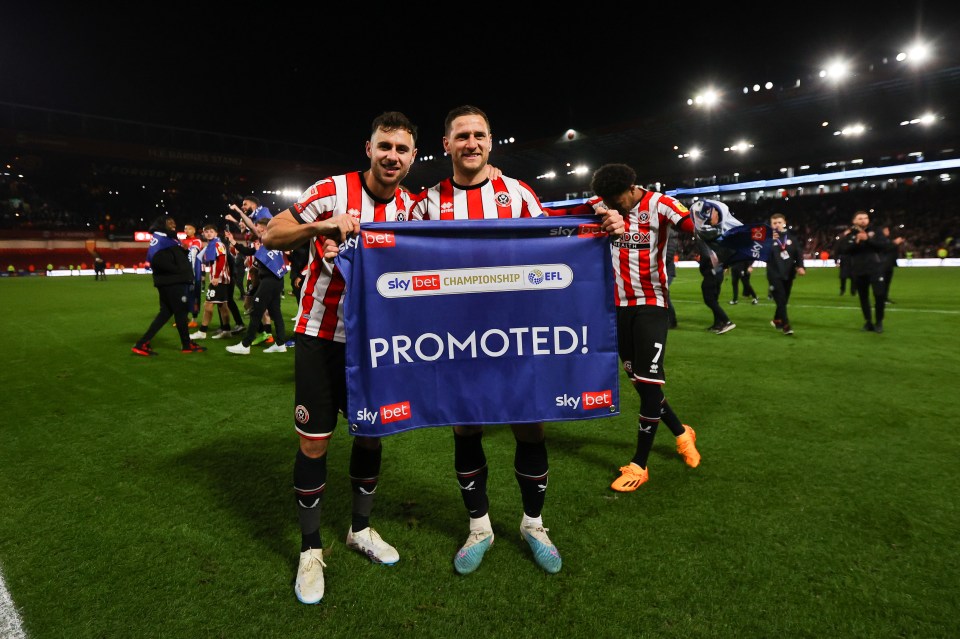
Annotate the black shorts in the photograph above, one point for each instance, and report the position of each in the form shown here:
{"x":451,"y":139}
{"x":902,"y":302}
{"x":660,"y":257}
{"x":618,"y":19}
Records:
{"x":218,"y":293}
{"x":641,"y":342}
{"x":320,"y":369}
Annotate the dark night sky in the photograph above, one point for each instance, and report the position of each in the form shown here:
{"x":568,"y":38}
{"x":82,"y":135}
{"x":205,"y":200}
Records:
{"x":319,"y":79}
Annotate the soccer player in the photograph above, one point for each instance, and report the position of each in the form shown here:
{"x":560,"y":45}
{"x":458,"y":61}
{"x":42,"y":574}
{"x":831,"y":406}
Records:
{"x":472,"y":194}
{"x":215,"y":255}
{"x":786,"y":262}
{"x":271,"y":268}
{"x":715,"y":220}
{"x":642,"y":318}
{"x":252,"y":208}
{"x":334,"y":207}
{"x":194,"y":244}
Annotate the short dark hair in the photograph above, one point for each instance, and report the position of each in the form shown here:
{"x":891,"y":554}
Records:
{"x":159,"y":223}
{"x":253,"y":199}
{"x":461,"y":111}
{"x":391,"y":121}
{"x":611,"y":180}
{"x":779,"y":215}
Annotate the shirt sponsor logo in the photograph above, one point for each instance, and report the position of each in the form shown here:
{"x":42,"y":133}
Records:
{"x":636,"y":240}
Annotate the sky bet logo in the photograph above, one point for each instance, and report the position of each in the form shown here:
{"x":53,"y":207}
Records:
{"x":589,"y":400}
{"x":390,"y":413}
{"x":381,"y":239}
{"x":428,"y":282}
{"x":583,"y":230}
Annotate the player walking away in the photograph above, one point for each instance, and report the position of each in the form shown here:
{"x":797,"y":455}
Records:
{"x":471,"y":193}
{"x":642,"y":317}
{"x":786,"y":262}
{"x":334,"y":207}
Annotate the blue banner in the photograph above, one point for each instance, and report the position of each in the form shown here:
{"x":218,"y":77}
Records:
{"x":479,"y":322}
{"x":744,"y":243}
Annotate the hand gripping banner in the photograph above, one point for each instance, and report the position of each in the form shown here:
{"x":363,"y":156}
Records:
{"x":479,"y":322}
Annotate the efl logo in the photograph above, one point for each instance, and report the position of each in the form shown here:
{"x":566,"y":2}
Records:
{"x":598,"y":399}
{"x":395,"y":412}
{"x":758,"y":233}
{"x":378,"y":240}
{"x":426,"y":282}
{"x":590,"y":230}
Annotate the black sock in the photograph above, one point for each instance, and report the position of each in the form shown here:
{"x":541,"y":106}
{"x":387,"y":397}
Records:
{"x":532,"y":471}
{"x":471,"y":465}
{"x":364,"y":476}
{"x":668,"y":417}
{"x":309,"y":483}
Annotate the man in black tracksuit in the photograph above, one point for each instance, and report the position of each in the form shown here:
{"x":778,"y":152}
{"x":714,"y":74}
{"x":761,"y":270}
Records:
{"x":865,"y":248}
{"x":173,"y":277}
{"x":785,"y":263}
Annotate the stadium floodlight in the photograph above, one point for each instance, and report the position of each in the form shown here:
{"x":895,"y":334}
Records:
{"x":852,"y":130}
{"x":740,"y":147}
{"x":916,"y":54}
{"x":708,"y":98}
{"x":926,"y":120}
{"x":836,"y":70}
{"x":549,"y":175}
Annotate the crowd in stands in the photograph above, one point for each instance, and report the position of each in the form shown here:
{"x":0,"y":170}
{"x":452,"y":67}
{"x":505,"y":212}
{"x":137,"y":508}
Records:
{"x":922,"y":212}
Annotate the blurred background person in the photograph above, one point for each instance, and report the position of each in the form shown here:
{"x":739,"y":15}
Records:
{"x":740,"y":278}
{"x":172,"y":277}
{"x":890,"y":256}
{"x":866,"y":247}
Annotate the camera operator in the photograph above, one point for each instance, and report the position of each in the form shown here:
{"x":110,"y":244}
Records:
{"x":865,"y":248}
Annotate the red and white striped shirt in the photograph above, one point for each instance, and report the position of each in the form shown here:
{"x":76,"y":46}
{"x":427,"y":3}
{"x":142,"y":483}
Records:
{"x":639,"y":255}
{"x":504,"y":197}
{"x":321,"y":301}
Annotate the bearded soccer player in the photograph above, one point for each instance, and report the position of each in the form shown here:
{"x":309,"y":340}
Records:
{"x":468,"y":195}
{"x":641,"y":294}
{"x":334,"y":207}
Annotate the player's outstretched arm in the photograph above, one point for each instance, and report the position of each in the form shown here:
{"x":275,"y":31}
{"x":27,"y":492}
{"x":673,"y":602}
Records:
{"x":285,"y":232}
